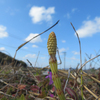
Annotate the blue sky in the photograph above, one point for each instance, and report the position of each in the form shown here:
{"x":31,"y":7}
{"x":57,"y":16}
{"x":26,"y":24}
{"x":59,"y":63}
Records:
{"x":21,"y":20}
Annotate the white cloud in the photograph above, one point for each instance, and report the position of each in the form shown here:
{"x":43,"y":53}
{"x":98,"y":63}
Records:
{"x":2,"y":48}
{"x":68,"y":15}
{"x":39,"y":14}
{"x":62,"y":50}
{"x":30,"y":56}
{"x":34,"y":46}
{"x":3,"y":32}
{"x":42,"y":58}
{"x":25,"y":47}
{"x":89,"y":28}
{"x":58,"y":61}
{"x":37,"y":39}
{"x":74,"y":9}
{"x":73,"y":58}
{"x":75,"y":53}
{"x":63,"y":41}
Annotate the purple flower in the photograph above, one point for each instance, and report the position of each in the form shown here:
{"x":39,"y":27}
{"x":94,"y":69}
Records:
{"x":50,"y":77}
{"x":51,"y":95}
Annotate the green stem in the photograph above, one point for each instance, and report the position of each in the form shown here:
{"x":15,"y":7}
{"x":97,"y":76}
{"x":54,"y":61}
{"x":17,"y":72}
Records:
{"x":52,"y":47}
{"x":56,"y":79}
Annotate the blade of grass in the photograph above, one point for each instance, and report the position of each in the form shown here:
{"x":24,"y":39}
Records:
{"x":36,"y":59}
{"x":87,"y":62}
{"x":33,"y":38}
{"x":36,"y":36}
{"x":80,"y":59}
{"x":67,"y":80}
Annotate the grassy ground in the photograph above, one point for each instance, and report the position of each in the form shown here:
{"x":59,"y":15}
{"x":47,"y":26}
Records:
{"x":31,"y":84}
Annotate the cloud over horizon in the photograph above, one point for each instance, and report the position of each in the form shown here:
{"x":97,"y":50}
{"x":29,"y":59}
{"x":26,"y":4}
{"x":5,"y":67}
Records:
{"x":2,"y":48}
{"x":34,"y":46}
{"x":74,"y":58}
{"x":75,"y":53}
{"x":63,"y":41}
{"x":62,"y":50}
{"x":30,"y":56}
{"x":3,"y":32}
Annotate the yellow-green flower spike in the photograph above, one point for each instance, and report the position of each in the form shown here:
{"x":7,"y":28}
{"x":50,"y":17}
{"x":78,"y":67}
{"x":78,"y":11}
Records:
{"x":52,"y":43}
{"x":52,"y":46}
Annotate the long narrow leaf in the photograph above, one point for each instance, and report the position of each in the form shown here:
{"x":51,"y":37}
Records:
{"x":71,"y":93}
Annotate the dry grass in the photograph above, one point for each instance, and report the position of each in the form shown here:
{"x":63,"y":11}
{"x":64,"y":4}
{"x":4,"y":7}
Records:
{"x":77,"y":84}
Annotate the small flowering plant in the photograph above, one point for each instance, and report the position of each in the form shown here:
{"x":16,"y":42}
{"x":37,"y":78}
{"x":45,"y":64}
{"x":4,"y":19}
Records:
{"x":50,"y":77}
{"x":50,"y":82}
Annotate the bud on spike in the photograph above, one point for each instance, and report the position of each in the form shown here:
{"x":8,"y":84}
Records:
{"x":52,"y":43}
